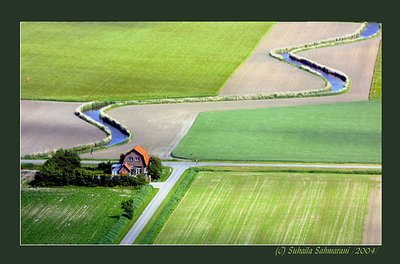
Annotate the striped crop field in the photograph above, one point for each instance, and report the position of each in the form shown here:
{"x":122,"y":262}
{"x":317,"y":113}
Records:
{"x":271,"y":208}
{"x":70,"y":215}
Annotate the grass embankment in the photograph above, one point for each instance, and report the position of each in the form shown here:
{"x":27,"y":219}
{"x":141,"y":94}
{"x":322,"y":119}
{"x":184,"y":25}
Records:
{"x":76,"y":215}
{"x":249,"y":207}
{"x":345,"y":132}
{"x":132,"y":60}
{"x":376,"y":87}
{"x":165,"y":173}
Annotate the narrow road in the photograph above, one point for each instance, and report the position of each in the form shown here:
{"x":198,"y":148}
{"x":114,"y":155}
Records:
{"x":188,"y":164}
{"x":164,"y":189}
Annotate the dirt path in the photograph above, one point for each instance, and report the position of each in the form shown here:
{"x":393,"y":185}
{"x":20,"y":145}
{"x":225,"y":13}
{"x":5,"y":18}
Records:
{"x":373,"y":221}
{"x":261,"y":73}
{"x":51,"y":125}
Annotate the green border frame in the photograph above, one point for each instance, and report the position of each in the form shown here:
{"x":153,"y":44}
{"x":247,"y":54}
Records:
{"x":313,"y":10}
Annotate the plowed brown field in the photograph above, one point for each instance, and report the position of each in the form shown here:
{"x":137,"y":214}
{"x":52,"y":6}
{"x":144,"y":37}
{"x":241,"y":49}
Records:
{"x":52,"y":125}
{"x":356,"y":59}
{"x":263,"y":74}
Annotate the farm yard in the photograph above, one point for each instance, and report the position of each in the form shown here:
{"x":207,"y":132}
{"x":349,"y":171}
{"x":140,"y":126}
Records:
{"x":70,"y":215}
{"x":132,"y":60}
{"x":253,"y":202}
{"x":228,"y":207}
{"x":345,"y":132}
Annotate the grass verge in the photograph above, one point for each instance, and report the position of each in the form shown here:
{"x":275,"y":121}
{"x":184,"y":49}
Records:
{"x":123,"y":225}
{"x":166,"y":172}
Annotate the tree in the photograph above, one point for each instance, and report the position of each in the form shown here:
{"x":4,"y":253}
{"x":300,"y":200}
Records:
{"x":105,"y":167}
{"x":127,"y":206}
{"x":60,"y":169}
{"x":155,"y":168}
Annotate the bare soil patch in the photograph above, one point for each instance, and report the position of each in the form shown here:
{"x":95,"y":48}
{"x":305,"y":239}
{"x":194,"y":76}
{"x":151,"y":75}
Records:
{"x":356,"y":59}
{"x":263,"y":74}
{"x":51,"y":125}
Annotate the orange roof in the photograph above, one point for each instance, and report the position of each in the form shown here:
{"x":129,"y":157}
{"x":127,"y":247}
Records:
{"x":142,"y":151}
{"x":126,"y":166}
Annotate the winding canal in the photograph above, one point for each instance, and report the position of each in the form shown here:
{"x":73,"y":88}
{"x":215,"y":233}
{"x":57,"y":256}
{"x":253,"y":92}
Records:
{"x":117,"y":135}
{"x":337,"y":82}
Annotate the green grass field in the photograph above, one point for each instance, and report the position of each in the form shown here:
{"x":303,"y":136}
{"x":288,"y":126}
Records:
{"x":346,"y":132}
{"x":70,"y":215}
{"x":132,"y":60}
{"x":271,"y":208}
{"x":376,"y":87}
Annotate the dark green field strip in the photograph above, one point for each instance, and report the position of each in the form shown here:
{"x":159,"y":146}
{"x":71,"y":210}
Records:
{"x":345,"y":132}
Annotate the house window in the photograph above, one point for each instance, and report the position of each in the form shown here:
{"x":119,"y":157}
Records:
{"x":130,"y":159}
{"x":138,"y":171}
{"x":136,"y":158}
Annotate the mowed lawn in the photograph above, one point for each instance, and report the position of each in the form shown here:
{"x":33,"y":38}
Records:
{"x":345,"y":132}
{"x":132,"y":60}
{"x":271,"y":208}
{"x":70,"y":215}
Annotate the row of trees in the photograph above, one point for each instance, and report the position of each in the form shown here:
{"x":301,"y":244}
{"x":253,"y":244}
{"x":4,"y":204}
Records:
{"x":64,"y":168}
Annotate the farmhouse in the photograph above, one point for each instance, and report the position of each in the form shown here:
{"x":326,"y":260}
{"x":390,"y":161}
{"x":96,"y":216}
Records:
{"x":134,"y":162}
